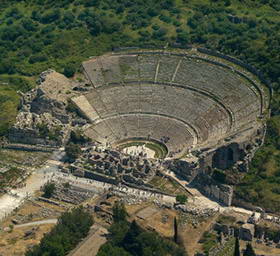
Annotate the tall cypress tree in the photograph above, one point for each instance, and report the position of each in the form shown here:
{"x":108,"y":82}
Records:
{"x":236,"y":247}
{"x":249,"y":251}
{"x":175,"y":230}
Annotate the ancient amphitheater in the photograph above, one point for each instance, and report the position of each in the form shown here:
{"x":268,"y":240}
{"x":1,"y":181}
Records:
{"x":180,"y":100}
{"x":196,"y":109}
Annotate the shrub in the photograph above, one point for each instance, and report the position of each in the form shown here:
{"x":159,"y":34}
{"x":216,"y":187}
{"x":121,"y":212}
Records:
{"x":69,"y":71}
{"x":49,"y":189}
{"x":182,"y":199}
{"x":37,"y":58}
{"x":72,"y":151}
{"x":219,"y":176}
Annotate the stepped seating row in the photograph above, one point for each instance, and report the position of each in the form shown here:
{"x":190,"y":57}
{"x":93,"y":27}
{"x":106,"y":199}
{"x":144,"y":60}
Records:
{"x":93,"y":71}
{"x":129,"y":67}
{"x":190,"y":71}
{"x":205,"y":114}
{"x":167,"y":68}
{"x":229,"y":87}
{"x":147,"y":67}
{"x":221,"y":82}
{"x":191,"y":99}
{"x":158,"y":128}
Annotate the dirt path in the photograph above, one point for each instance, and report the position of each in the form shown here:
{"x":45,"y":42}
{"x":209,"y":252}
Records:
{"x":91,"y":244}
{"x":35,"y":223}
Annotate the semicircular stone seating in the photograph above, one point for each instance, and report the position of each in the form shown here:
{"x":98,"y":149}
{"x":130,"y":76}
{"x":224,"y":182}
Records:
{"x":178,"y":100}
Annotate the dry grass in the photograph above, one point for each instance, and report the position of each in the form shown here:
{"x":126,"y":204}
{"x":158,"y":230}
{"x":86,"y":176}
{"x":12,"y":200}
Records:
{"x":191,"y":235}
{"x":262,"y":249}
{"x":14,"y":243}
{"x":167,"y":186}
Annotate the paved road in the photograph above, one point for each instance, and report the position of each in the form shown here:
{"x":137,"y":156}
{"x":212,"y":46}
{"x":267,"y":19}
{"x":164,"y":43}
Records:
{"x":16,"y":197}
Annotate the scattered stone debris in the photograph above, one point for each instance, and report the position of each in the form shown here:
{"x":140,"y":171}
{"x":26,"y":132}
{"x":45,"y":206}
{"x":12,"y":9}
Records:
{"x":71,"y":194}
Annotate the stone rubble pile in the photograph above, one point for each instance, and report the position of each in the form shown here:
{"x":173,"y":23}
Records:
{"x":71,"y":194}
{"x":42,"y":119}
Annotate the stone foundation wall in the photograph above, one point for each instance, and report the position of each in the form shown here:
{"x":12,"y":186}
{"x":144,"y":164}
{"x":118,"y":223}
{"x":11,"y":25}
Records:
{"x":219,"y":192}
{"x":101,"y":178}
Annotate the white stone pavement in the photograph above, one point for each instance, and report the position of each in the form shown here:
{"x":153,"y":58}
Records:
{"x":16,"y":197}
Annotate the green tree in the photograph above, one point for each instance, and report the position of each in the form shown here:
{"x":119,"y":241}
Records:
{"x":130,"y":240}
{"x":49,"y":189}
{"x":118,"y":231}
{"x":110,"y":250}
{"x":249,"y":251}
{"x":181,"y":198}
{"x":71,"y":228}
{"x":72,"y":151}
{"x":175,"y":230}
{"x":69,"y":71}
{"x":119,"y":212}
{"x":78,"y":137}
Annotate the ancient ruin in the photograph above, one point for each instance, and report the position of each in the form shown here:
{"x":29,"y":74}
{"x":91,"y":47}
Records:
{"x":197,"y":110}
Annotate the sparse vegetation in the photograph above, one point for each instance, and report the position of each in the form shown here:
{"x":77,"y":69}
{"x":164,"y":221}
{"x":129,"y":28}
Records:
{"x":209,"y":240}
{"x":129,"y":239}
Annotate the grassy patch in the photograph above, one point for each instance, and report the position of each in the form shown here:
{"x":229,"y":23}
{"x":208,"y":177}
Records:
{"x":160,"y":151}
{"x":9,"y":99}
{"x":209,"y":240}
{"x":167,"y":185}
{"x":228,"y":249}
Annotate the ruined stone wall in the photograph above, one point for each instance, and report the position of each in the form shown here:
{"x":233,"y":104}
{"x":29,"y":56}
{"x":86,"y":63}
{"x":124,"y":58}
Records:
{"x":219,"y":192}
{"x":43,"y":119}
{"x":99,"y":177}
{"x":182,"y":168}
{"x":30,"y":148}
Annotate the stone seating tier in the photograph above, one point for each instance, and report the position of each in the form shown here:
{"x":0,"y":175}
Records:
{"x":177,"y":99}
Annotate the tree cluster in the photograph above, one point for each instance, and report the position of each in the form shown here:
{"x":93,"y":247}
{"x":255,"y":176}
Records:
{"x":71,"y":228}
{"x":129,"y":239}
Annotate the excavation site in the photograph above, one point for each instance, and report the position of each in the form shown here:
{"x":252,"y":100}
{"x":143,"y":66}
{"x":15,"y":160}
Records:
{"x":189,"y":111}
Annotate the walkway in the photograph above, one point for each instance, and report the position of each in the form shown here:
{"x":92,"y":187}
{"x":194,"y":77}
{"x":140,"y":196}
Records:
{"x":91,"y":244}
{"x":15,"y":197}
{"x":35,"y":223}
